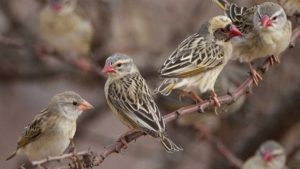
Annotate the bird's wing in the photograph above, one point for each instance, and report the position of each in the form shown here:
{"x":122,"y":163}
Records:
{"x":34,"y":130}
{"x":242,"y":17}
{"x":131,"y":97}
{"x":194,"y":55}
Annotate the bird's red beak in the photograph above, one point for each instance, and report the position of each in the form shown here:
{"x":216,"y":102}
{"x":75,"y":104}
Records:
{"x":85,"y":106}
{"x":266,"y":21}
{"x":267,"y":156}
{"x":56,"y":7}
{"x":234,"y":31}
{"x":108,"y":69}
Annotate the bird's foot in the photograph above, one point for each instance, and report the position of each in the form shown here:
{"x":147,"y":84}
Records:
{"x":215,"y":99}
{"x":122,"y":139}
{"x":274,"y":59}
{"x":256,"y":77}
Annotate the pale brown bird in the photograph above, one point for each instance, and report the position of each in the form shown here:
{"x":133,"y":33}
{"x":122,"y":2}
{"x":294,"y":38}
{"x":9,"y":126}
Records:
{"x":266,"y":32}
{"x":199,"y":59}
{"x":270,"y":155}
{"x":63,"y":27}
{"x":50,"y":131}
{"x":129,"y":97}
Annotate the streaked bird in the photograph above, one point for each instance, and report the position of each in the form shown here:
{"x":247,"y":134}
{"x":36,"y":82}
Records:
{"x":199,"y":59}
{"x":129,"y":98}
{"x":266,"y":30}
{"x":270,"y":155}
{"x":50,"y":131}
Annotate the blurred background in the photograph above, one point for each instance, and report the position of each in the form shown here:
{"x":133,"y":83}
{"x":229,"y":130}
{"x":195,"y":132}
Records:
{"x":148,"y":31}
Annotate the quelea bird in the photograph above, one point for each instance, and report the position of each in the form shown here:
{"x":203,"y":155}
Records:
{"x":129,"y":97}
{"x":270,"y":155}
{"x":198,"y":60}
{"x":63,"y":26}
{"x":50,"y":132}
{"x":266,"y":32}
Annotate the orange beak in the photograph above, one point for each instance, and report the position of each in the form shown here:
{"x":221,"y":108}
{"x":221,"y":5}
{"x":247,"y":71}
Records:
{"x":234,"y":31}
{"x":266,"y":21}
{"x":85,"y":106}
{"x":108,"y":69}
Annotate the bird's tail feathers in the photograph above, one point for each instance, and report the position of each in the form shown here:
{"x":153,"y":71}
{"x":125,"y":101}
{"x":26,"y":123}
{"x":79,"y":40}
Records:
{"x":169,"y":145}
{"x":166,"y":87}
{"x":11,"y":156}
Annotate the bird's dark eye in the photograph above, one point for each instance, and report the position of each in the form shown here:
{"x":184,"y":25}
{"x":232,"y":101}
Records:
{"x":119,"y":65}
{"x":75,"y":103}
{"x":274,"y":18}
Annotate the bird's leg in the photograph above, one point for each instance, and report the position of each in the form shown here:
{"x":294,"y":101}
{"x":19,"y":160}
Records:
{"x":215,"y":98}
{"x":256,"y":77}
{"x":72,"y":146}
{"x":196,"y":98}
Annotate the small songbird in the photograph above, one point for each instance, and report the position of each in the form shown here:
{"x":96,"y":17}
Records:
{"x":51,"y":130}
{"x":63,"y":27}
{"x":266,"y":32}
{"x":270,"y":155}
{"x":199,"y":59}
{"x":129,"y":97}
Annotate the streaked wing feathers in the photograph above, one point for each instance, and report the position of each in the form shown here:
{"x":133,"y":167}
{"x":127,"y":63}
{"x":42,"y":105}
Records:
{"x":194,"y":55}
{"x":131,"y":97}
{"x":33,"y":130}
{"x":241,"y":17}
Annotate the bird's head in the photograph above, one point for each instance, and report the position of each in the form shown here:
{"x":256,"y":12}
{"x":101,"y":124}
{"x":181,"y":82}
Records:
{"x":222,"y":28}
{"x":69,"y":104}
{"x":272,"y":154}
{"x":119,"y":65}
{"x":269,"y":16}
{"x":62,"y":7}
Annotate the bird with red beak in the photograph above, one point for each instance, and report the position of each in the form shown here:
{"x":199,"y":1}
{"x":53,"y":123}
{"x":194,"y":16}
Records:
{"x":64,"y":27}
{"x":195,"y":64}
{"x":63,"y":6}
{"x":266,"y":32}
{"x":270,"y":155}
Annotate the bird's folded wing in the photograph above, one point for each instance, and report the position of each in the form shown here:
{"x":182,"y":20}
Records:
{"x":193,"y":56}
{"x":131,"y":97}
{"x":242,"y":17}
{"x":34,"y":130}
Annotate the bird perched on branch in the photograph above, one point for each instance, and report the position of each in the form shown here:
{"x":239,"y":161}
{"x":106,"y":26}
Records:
{"x":270,"y":155}
{"x":199,"y":59}
{"x":129,"y":97}
{"x":266,"y":32}
{"x":63,"y":27}
{"x":50,"y":131}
